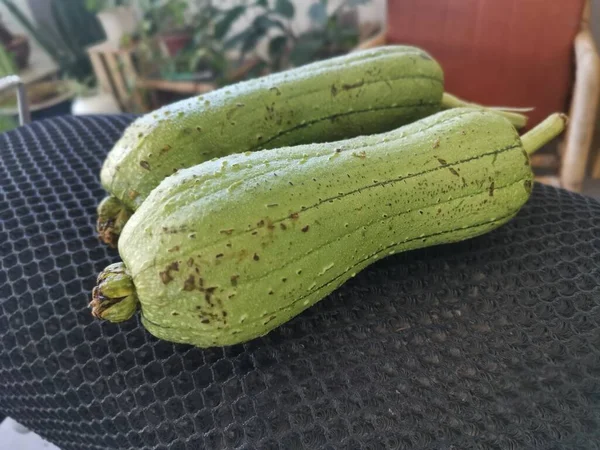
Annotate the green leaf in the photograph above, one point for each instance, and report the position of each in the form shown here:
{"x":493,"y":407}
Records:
{"x":305,"y":50}
{"x":224,"y":25}
{"x":318,"y":13}
{"x":354,"y":3}
{"x":277,"y":46}
{"x":264,"y":22}
{"x":285,"y":8}
{"x":238,"y":38}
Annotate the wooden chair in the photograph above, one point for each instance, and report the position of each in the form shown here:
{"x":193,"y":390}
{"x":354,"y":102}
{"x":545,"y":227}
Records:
{"x":529,"y":53}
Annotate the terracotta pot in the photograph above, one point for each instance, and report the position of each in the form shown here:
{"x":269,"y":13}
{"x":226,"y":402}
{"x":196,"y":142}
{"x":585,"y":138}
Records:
{"x":19,"y":48}
{"x":175,"y":41}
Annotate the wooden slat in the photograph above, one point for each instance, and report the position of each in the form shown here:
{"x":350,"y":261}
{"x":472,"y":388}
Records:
{"x":545,"y":161}
{"x":596,"y":169}
{"x":118,"y":80}
{"x":180,"y":87}
{"x":131,"y":79}
{"x":100,"y":72}
{"x":549,"y":180}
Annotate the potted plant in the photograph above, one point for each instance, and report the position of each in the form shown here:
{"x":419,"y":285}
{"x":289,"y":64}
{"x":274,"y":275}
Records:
{"x":46,"y":99}
{"x":76,"y":29}
{"x":117,"y":17}
{"x":330,"y":34}
{"x":16,"y":45}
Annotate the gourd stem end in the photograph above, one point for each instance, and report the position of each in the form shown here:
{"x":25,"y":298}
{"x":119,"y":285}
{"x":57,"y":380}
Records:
{"x":112,"y":217}
{"x":544,"y":132}
{"x":114,"y":298}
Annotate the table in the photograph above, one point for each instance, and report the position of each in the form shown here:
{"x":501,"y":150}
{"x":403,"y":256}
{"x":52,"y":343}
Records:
{"x":490,"y":343}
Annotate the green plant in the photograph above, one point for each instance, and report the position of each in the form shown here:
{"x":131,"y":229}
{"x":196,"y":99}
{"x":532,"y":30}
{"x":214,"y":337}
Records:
{"x":76,"y":28}
{"x":327,"y":36}
{"x":7,"y":63}
{"x":96,"y":6}
{"x":7,"y":123}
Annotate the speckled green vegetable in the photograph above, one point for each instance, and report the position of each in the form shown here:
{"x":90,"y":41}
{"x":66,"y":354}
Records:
{"x":360,"y":93}
{"x":225,"y":251}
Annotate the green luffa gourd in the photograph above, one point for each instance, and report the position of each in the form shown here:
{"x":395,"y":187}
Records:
{"x":361,"y":93}
{"x":225,"y":251}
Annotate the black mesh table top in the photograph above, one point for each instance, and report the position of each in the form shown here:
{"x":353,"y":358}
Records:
{"x":493,"y":343}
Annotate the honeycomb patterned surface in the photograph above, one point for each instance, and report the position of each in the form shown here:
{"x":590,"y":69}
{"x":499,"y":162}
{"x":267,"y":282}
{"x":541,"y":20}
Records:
{"x":493,"y":343}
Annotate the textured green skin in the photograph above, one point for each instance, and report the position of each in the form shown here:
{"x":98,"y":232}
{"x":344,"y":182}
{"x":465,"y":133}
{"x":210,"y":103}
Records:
{"x":361,"y":93}
{"x":362,"y":199}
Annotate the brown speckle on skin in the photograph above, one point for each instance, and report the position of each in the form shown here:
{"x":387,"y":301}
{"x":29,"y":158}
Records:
{"x":165,"y":276}
{"x":453,"y":171}
{"x":358,"y":84}
{"x":283,"y":226}
{"x":234,"y":279}
{"x":436,"y":143}
{"x":305,"y":229}
{"x":228,"y":231}
{"x":294,"y":215}
{"x":133,"y":194}
{"x":189,"y":284}
{"x":145,"y":165}
{"x":205,"y":321}
{"x":491,"y":189}
{"x":174,"y":249}
{"x":442,"y":161}
{"x":255,"y":257}
{"x":361,"y":155}
{"x":528,"y":185}
{"x":219,"y":255}
{"x":271,"y":292}
{"x":260,"y":223}
{"x":190,"y":262}
{"x":165,"y":149}
{"x":334,"y":90}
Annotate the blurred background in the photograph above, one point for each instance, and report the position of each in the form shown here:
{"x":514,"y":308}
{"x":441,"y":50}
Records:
{"x":103,"y":56}
{"x":133,"y":56}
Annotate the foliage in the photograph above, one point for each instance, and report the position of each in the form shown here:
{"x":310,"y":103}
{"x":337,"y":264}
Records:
{"x":210,"y":24}
{"x":7,"y":63}
{"x":7,"y":123}
{"x":76,"y":28}
{"x":327,"y":36}
{"x":95,"y":6}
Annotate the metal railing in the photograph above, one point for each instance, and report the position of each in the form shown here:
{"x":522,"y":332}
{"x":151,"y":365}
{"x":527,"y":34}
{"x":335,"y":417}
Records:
{"x":15,"y":82}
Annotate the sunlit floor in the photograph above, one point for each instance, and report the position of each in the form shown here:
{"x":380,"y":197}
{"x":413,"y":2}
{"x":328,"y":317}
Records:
{"x":16,"y":437}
